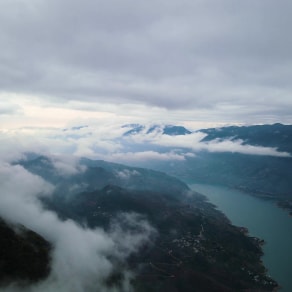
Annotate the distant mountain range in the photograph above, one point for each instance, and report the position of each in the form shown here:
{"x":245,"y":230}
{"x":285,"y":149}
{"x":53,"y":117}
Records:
{"x":268,"y":176}
{"x":277,"y":135}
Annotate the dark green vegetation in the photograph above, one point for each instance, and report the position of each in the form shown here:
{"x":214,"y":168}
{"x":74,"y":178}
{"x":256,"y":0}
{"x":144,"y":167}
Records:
{"x":195,"y":248}
{"x":24,"y":255}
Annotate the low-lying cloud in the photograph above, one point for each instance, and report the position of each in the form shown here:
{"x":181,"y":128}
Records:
{"x":195,"y":143}
{"x":67,"y":165}
{"x":239,"y":147}
{"x":126,"y":174}
{"x":82,"y":259}
{"x":107,"y":142}
{"x":145,"y":156}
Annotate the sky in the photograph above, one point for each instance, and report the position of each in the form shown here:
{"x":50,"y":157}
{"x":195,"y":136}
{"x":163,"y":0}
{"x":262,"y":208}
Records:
{"x":197,"y":63}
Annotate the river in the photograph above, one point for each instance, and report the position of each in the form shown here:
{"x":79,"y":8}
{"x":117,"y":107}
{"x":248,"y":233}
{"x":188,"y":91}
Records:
{"x":264,"y":220}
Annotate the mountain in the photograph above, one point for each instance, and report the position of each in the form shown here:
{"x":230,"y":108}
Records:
{"x":175,"y":130}
{"x":96,"y":174}
{"x":269,"y":177}
{"x":194,"y":244}
{"x":24,"y":255}
{"x":170,"y":130}
{"x":262,"y":175}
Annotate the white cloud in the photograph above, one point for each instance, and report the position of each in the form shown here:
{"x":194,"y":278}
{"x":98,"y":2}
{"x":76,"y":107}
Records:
{"x":66,"y":165}
{"x":126,"y":174}
{"x":183,"y":141}
{"x":144,"y":156}
{"x":239,"y":147}
{"x":194,"y":142}
{"x":81,"y":256}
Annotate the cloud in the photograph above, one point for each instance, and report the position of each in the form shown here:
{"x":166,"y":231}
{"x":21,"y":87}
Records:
{"x":144,"y":156}
{"x":134,"y":229}
{"x":82,"y":258}
{"x":199,"y":60}
{"x":126,"y":174}
{"x":106,"y":141}
{"x":89,"y":141}
{"x":239,"y":147}
{"x":194,"y":142}
{"x":221,"y":146}
{"x":66,"y":165}
{"x":168,"y":140}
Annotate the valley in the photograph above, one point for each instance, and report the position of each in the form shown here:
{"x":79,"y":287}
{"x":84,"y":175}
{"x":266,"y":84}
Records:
{"x":194,"y":245}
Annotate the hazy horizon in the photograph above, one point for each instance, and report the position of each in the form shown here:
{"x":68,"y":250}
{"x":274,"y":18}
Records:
{"x":181,"y":62}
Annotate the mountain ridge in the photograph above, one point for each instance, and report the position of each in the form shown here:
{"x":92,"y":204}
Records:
{"x":24,"y":255}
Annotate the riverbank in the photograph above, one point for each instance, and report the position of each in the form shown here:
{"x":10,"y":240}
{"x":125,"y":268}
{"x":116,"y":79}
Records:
{"x":264,"y":220}
{"x":284,"y":203}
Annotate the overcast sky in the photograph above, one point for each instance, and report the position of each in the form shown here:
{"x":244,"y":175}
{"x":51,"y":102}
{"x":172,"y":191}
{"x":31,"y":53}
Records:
{"x":175,"y":61}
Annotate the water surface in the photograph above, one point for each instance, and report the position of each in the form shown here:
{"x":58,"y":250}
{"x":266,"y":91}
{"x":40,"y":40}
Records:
{"x":264,"y":220}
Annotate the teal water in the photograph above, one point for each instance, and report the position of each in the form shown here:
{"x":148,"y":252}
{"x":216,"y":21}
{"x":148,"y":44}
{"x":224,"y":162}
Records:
{"x":264,"y":220}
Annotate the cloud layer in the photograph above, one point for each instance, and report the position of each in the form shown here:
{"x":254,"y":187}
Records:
{"x":196,"y":60}
{"x":107,"y":142}
{"x":82,"y":258}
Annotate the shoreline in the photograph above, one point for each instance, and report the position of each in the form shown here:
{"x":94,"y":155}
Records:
{"x":273,"y":255}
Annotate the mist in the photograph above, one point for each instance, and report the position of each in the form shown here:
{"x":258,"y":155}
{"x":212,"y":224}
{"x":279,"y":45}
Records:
{"x":108,"y":142}
{"x":83,"y":259}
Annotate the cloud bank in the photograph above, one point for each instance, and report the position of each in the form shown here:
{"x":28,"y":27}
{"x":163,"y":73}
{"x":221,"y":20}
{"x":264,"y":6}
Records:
{"x":191,"y":60}
{"x":194,"y":142}
{"x":107,"y":142}
{"x":82,"y":259}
